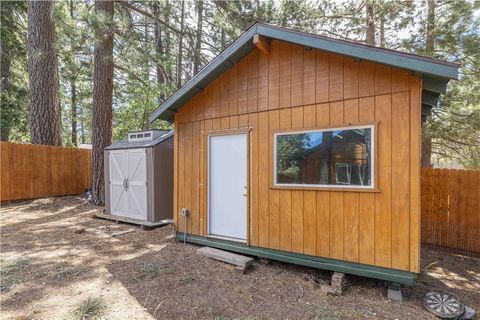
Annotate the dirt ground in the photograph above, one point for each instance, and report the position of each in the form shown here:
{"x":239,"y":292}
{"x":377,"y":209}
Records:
{"x":48,"y":270}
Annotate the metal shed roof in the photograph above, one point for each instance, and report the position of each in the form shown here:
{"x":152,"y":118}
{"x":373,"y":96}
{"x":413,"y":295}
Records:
{"x":435,"y":73}
{"x":158,"y":137}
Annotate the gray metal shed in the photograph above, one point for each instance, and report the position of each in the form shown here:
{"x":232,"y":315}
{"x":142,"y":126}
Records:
{"x":139,"y":178}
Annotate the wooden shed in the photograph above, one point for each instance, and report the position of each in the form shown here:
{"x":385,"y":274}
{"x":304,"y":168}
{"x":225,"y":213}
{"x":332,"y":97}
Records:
{"x":305,"y":149}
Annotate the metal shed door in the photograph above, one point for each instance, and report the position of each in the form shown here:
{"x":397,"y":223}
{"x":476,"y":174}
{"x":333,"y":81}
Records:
{"x":118,"y":189}
{"x":137,"y":183}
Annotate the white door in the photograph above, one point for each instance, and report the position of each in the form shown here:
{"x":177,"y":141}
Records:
{"x":227,"y":196}
{"x":137,"y":183}
{"x":118,"y":167}
{"x":128,"y":183}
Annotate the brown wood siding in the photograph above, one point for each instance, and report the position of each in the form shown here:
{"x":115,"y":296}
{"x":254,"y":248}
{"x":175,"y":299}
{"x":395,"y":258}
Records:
{"x":295,"y":88}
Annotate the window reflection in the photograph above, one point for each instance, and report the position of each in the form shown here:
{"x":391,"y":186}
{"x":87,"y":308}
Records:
{"x":335,"y":157}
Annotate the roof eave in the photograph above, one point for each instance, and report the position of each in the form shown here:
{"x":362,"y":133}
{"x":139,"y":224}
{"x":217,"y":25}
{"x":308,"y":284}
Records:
{"x":414,"y":64}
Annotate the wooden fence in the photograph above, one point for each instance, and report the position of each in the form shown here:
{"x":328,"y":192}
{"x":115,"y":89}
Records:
{"x":450,"y":201}
{"x":33,"y":171}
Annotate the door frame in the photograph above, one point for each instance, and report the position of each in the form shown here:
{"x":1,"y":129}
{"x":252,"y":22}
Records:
{"x":206,"y":175}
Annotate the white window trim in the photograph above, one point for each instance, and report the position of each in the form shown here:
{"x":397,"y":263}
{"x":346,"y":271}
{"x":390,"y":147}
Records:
{"x":326,"y":186}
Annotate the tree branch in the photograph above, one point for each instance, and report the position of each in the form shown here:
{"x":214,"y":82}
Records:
{"x":149,"y":15}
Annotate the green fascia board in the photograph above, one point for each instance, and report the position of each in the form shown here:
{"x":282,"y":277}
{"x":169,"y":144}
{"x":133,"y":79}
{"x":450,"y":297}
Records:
{"x":392,"y":275}
{"x":435,"y":69}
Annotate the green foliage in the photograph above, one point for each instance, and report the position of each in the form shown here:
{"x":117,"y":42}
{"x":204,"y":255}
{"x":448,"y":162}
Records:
{"x":14,"y":100}
{"x":455,"y":124}
{"x":289,"y":147}
{"x":146,"y":50}
{"x":11,"y":272}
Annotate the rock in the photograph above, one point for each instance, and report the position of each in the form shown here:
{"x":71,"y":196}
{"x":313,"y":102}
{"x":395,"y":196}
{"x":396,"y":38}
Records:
{"x":468,"y":314}
{"x":79,"y":230}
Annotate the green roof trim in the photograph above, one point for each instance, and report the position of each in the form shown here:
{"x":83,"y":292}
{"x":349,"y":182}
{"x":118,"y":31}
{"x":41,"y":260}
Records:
{"x":436,"y":73}
{"x":363,"y":270}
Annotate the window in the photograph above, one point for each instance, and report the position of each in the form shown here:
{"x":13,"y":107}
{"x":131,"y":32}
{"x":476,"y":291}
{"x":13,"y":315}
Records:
{"x":339,"y":158}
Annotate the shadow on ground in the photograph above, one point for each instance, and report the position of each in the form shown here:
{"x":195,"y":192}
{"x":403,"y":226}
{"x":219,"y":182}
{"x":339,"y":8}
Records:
{"x":147,"y":274}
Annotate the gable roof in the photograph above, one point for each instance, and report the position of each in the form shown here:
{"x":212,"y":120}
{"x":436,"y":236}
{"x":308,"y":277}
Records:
{"x":435,"y":73}
{"x":158,"y":137}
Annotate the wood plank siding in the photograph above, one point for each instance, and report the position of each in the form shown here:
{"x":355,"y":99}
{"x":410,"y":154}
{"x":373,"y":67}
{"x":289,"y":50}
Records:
{"x":30,"y":171}
{"x":297,"y":88}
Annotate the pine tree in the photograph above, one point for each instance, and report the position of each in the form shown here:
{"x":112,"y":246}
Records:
{"x":43,"y":75}
{"x":102,"y":96}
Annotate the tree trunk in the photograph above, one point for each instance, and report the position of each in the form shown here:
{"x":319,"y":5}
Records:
{"x":223,"y":40}
{"x":325,"y":164}
{"x":426,"y":155}
{"x":159,"y":50}
{"x":73,"y":93}
{"x":180,"y":47}
{"x":168,"y":43}
{"x":102,"y":99}
{"x":198,"y":43}
{"x":73,"y":100}
{"x":382,"y":31}
{"x":82,"y":125}
{"x":370,"y":39}
{"x":43,"y":75}
{"x":6,"y":63}
{"x":430,"y":36}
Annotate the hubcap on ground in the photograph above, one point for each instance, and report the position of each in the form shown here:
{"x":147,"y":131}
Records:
{"x":443,"y":305}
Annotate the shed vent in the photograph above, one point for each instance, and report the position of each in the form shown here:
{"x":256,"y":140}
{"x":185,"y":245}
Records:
{"x":140,"y":136}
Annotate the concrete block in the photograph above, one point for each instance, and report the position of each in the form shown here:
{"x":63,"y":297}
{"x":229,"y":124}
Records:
{"x":337,"y":285}
{"x":394,"y":292}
